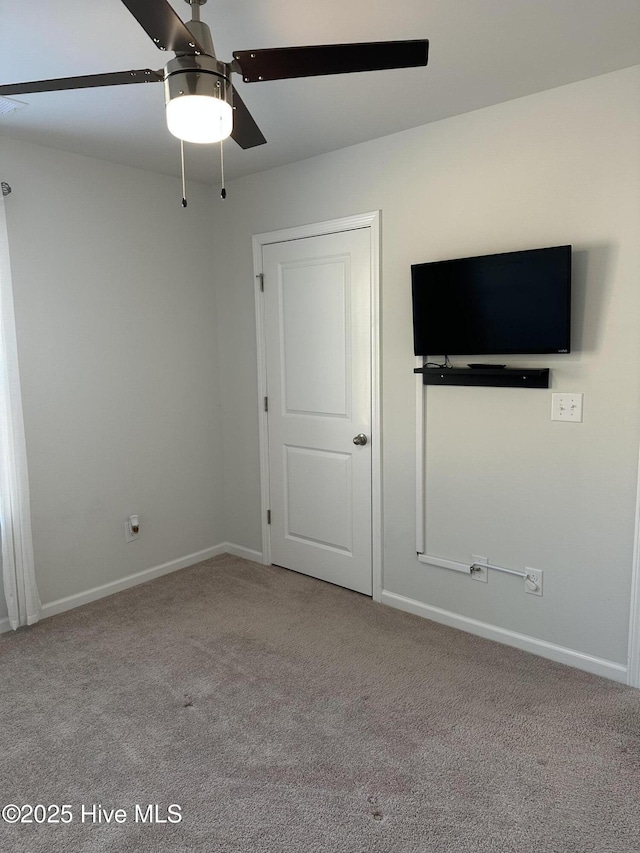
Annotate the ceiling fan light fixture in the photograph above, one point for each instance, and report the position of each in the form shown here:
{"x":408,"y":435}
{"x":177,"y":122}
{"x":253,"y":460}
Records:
{"x":199,"y":118}
{"x":198,"y":99}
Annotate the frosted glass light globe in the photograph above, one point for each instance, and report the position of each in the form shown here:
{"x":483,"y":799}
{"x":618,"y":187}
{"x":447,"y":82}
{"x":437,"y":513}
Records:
{"x":199,"y":118}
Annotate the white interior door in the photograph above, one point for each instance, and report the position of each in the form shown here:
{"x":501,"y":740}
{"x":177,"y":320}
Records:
{"x":317,"y":319}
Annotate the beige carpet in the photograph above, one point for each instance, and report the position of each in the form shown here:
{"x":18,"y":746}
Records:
{"x":283,"y":714}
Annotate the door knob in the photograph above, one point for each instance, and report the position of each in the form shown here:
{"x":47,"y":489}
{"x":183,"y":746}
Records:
{"x":360,"y":439}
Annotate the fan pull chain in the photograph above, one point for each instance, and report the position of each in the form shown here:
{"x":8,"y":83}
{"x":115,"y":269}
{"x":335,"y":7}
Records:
{"x":223,"y":192}
{"x":184,"y":187}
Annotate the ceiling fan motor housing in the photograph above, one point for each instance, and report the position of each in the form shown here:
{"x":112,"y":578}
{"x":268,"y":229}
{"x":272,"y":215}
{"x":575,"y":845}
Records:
{"x":197,"y":75}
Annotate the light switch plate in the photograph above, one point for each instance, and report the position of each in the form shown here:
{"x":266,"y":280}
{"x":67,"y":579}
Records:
{"x":566,"y":407}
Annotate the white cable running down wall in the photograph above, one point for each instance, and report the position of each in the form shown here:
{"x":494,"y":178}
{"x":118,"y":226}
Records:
{"x":421,"y":534}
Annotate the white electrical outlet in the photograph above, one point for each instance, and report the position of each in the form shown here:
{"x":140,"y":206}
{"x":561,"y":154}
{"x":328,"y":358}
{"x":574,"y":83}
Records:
{"x":533,"y":582}
{"x":132,"y":529}
{"x":566,"y":407}
{"x":480,"y":573}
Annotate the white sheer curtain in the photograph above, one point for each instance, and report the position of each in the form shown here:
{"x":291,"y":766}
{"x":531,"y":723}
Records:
{"x":21,"y":594}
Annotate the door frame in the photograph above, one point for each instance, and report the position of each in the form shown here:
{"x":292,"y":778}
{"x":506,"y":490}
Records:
{"x":319,"y":229}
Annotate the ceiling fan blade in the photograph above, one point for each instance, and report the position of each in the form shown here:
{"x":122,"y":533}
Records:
{"x":163,"y":26}
{"x":115,"y":78}
{"x":281,"y":63}
{"x":245,"y":131}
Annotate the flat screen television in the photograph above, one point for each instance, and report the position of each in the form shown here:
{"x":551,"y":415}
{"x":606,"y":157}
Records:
{"x":514,"y":302}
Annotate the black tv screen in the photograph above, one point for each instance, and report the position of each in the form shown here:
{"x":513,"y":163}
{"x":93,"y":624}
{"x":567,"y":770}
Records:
{"x":514,"y":302}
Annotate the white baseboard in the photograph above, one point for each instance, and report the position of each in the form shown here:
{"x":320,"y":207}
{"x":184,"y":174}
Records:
{"x":241,"y":551}
{"x":89,"y":595}
{"x":97,"y":592}
{"x":80,"y":598}
{"x":559,"y":654}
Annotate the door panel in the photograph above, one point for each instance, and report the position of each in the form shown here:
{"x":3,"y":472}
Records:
{"x":317,"y":310}
{"x":318,"y":472}
{"x":314,"y":299}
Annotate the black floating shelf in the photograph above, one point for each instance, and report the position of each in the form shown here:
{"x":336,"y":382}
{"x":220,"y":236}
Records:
{"x":501,"y":377}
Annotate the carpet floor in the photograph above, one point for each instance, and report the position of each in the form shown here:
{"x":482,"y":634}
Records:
{"x":262,"y":711}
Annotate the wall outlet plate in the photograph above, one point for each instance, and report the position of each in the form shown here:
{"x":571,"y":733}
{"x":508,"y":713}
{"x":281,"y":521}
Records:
{"x":533,"y":583}
{"x":482,"y":574}
{"x":128,"y":535}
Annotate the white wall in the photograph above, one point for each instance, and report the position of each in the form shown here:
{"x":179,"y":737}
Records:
{"x":503,"y":481}
{"x":115,"y":314}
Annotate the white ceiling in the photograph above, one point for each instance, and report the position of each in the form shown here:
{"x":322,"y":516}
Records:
{"x":482,"y":52}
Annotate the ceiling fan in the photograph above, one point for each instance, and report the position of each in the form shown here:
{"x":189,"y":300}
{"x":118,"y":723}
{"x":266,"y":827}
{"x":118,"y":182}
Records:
{"x":202,"y":104}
